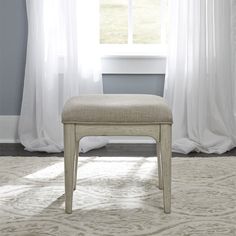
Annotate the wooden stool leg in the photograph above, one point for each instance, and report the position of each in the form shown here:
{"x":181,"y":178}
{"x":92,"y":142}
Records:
{"x":166,"y":165}
{"x":76,"y":163}
{"x":69,"y":161}
{"x":160,"y":179}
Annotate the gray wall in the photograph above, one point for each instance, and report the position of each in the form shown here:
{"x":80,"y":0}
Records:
{"x":13,"y":42}
{"x":146,"y":84}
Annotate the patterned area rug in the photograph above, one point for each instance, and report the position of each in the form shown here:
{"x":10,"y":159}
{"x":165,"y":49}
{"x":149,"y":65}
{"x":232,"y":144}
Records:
{"x":117,"y":196}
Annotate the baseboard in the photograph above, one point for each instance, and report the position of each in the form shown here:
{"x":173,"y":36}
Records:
{"x":9,"y":133}
{"x":9,"y":129}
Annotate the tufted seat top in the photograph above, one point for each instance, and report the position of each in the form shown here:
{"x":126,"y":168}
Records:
{"x":116,"y":109}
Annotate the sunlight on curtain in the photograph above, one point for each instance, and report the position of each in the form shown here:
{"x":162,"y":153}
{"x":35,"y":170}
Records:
{"x":62,"y":61}
{"x":200,"y":78}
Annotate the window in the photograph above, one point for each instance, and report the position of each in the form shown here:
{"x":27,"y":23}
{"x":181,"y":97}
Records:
{"x":133,"y":24}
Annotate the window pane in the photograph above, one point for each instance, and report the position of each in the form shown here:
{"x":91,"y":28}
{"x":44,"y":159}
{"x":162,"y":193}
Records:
{"x":114,"y":21}
{"x":149,"y":17}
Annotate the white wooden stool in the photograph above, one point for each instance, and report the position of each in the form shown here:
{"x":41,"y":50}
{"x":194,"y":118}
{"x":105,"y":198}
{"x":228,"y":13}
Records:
{"x":117,"y":115}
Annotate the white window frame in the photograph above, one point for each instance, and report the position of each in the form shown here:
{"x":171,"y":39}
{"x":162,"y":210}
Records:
{"x":130,"y":22}
{"x":133,"y":58}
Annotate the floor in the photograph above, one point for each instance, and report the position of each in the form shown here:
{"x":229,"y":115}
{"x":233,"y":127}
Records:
{"x":144,"y":150}
{"x":117,"y":196}
{"x":117,"y":193}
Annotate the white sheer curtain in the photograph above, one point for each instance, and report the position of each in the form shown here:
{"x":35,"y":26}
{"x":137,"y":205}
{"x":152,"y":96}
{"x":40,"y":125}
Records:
{"x":62,"y":61}
{"x":200,"y":81}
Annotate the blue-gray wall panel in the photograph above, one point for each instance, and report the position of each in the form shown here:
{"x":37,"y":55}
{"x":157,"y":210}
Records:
{"x":13,"y":40}
{"x":144,"y":84}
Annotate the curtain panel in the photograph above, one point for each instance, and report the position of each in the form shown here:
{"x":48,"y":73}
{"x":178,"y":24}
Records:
{"x":200,"y":79}
{"x":62,"y":61}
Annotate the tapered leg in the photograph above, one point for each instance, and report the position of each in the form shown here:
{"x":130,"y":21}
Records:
{"x":69,"y":161}
{"x":166,"y":165}
{"x":160,"y":179}
{"x":76,"y":163}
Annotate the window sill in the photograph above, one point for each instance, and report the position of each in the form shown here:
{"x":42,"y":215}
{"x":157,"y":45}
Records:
{"x":138,"y":51}
{"x":133,"y":64}
{"x":133,"y":56}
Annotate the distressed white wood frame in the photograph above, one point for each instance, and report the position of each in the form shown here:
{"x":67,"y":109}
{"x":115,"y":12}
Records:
{"x":161,"y":133}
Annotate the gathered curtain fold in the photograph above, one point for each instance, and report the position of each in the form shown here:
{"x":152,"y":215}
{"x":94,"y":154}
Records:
{"x":200,"y":83}
{"x":62,"y":61}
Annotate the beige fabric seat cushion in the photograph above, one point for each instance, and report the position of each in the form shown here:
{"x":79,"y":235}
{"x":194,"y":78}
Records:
{"x":116,"y":109}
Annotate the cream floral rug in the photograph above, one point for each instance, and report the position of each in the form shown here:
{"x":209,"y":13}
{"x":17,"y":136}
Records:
{"x":117,"y":196}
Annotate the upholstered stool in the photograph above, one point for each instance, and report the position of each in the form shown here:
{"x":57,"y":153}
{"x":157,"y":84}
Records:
{"x":117,"y":115}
